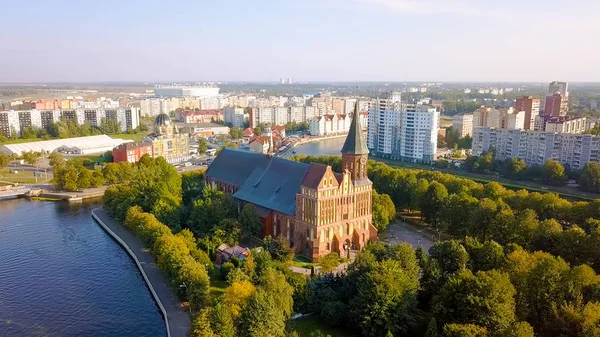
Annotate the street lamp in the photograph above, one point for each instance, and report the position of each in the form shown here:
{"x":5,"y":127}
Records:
{"x":183,"y":285}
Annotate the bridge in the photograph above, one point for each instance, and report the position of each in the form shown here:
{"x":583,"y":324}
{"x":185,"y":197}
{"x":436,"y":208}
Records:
{"x":16,"y":191}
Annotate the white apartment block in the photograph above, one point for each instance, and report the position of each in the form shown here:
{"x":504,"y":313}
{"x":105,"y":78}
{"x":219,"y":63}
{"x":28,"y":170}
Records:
{"x":535,"y":147}
{"x":463,"y":124}
{"x":282,"y":115}
{"x":417,"y":134}
{"x":17,"y":121}
{"x":402,"y":131}
{"x":329,"y":125}
{"x":236,"y":116}
{"x":564,"y":125}
{"x":384,"y":119}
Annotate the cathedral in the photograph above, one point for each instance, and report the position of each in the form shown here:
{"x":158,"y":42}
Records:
{"x":319,"y":211}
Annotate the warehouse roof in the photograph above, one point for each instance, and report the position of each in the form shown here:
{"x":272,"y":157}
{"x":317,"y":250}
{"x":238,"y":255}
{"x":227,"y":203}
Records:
{"x":87,"y":143}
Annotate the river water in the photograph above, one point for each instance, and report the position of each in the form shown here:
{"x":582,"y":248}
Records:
{"x":328,"y":147}
{"x":62,"y":275}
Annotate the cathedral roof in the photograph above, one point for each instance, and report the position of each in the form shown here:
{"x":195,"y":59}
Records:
{"x":355,"y":142}
{"x":263,"y":180}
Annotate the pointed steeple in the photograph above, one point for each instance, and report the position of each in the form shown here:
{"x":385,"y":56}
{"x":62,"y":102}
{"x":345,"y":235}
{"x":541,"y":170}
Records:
{"x":355,"y":143}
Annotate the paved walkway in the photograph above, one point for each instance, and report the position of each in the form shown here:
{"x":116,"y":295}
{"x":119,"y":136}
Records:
{"x":176,"y":317}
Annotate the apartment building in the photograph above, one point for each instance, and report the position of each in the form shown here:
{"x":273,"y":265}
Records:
{"x":402,"y":131}
{"x":556,"y":102}
{"x":535,"y":147}
{"x":508,"y":118}
{"x":568,"y":125}
{"x":281,"y":115}
{"x":531,"y":106}
{"x":463,"y":124}
{"x":331,"y":124}
{"x":238,"y":117}
{"x":43,"y":119}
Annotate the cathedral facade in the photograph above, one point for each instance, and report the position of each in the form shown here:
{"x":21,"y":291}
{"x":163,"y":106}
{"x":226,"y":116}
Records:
{"x":319,"y":211}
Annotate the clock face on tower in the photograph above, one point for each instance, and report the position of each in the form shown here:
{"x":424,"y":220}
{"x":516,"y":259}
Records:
{"x":363,"y":159}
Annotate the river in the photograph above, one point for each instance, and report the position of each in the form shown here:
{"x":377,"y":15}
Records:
{"x":328,"y":147}
{"x":62,"y":275}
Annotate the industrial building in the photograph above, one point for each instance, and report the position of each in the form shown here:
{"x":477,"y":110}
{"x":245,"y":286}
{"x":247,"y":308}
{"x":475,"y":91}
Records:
{"x":77,"y":145}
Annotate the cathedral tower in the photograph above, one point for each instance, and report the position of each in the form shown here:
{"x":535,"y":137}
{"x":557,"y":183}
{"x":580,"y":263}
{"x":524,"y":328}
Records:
{"x":354,"y":152}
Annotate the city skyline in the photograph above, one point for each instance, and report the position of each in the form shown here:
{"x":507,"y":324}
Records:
{"x":310,"y":41}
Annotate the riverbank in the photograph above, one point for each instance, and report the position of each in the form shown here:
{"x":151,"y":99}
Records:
{"x":176,"y":318}
{"x":308,"y":140}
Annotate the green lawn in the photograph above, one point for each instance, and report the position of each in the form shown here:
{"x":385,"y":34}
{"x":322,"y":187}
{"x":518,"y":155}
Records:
{"x":217,"y":285}
{"x":303,"y":262}
{"x":23,"y":177}
{"x":304,"y":326}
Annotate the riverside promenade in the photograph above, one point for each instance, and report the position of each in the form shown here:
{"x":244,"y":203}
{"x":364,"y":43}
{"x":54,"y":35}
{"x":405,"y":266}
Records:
{"x":177,"y":320}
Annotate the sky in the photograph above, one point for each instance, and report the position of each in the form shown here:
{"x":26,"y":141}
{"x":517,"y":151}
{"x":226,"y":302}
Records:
{"x":308,"y":40}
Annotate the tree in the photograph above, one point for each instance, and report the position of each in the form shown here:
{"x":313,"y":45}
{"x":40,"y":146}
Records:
{"x":486,"y":299}
{"x":201,"y":325}
{"x":386,"y":300}
{"x":261,"y":318}
{"x":279,"y":248}
{"x":222,"y":321}
{"x":4,"y":160}
{"x":329,"y":262}
{"x":464,"y":330}
{"x":202,"y":145}
{"x":514,"y":168}
{"x":236,"y":296}
{"x":553,"y":173}
{"x":589,"y":180}
{"x":56,"y":159}
{"x":31,"y":157}
{"x":432,"y":329}
{"x":275,"y":284}
{"x":433,"y":200}
{"x":236,"y":133}
{"x":250,"y":221}
{"x":450,"y":255}
{"x":97,"y":178}
{"x":384,"y":210}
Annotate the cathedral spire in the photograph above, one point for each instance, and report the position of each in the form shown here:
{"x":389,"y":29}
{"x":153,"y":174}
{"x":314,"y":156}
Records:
{"x":355,"y":143}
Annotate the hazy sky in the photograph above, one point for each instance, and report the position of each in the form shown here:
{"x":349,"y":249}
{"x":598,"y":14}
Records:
{"x":310,"y":40}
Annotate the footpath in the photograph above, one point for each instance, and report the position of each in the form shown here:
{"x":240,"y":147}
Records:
{"x":176,"y":318}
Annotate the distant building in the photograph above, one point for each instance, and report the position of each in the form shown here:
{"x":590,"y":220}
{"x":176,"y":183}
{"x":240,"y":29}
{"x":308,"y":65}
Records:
{"x":561,"y":88}
{"x":201,"y":116}
{"x":463,"y":124}
{"x":205,"y":130}
{"x":498,"y":118}
{"x":531,"y":106}
{"x":185,"y":91}
{"x":329,"y":125}
{"x":17,"y":121}
{"x":238,"y":117}
{"x":535,"y":147}
{"x":554,"y":106}
{"x":166,"y":143}
{"x":568,"y":125}
{"x":131,"y":152}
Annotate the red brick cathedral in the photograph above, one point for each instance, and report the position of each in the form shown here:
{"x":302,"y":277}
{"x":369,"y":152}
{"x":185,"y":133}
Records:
{"x":319,"y":211}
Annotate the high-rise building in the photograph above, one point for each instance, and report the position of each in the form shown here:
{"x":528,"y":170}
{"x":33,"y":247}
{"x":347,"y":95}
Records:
{"x":562,"y":89}
{"x":463,"y":125}
{"x":568,"y":125}
{"x":236,"y":116}
{"x":531,"y":106}
{"x":554,"y":106}
{"x":403,"y":131}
